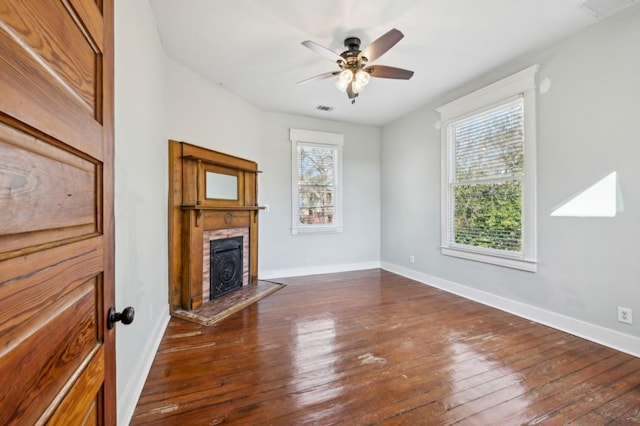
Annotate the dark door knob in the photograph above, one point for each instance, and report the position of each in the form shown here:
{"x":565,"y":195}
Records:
{"x":126,"y":316}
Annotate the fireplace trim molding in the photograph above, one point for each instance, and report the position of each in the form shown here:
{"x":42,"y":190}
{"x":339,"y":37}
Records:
{"x":191,"y":213}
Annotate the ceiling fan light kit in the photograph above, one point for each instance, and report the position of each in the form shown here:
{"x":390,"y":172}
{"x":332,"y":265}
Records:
{"x":357,"y":81}
{"x":354,"y":74}
{"x":344,"y":79}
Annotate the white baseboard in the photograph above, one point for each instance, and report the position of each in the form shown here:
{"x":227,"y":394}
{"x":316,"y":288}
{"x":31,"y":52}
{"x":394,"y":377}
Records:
{"x":129,"y":399}
{"x":315,"y":270}
{"x":595,"y":333}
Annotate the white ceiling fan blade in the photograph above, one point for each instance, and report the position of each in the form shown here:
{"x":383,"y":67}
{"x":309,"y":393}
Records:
{"x":318,"y":77}
{"x":321,"y":50}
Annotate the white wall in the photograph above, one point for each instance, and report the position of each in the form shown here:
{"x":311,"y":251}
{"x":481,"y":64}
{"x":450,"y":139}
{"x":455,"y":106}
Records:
{"x":358,"y":247}
{"x":587,"y":128}
{"x":141,"y":182}
{"x":205,"y":114}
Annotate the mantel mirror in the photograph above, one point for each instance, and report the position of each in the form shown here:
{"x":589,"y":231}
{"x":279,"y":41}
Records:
{"x":221,"y":186}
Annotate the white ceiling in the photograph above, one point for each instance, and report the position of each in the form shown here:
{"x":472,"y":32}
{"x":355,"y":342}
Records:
{"x":252,"y":47}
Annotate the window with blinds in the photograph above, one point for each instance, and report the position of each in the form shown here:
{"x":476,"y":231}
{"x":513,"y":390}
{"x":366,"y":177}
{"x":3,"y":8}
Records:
{"x":489,"y":173}
{"x":316,"y":181}
{"x":487,"y":151}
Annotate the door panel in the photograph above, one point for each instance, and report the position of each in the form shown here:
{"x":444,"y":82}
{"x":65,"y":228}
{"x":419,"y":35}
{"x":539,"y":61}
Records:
{"x":36,"y":95}
{"x":57,"y":359}
{"x":65,"y":336}
{"x":26,"y":292}
{"x":82,"y":403}
{"x":48,"y":193}
{"x":50,"y":35}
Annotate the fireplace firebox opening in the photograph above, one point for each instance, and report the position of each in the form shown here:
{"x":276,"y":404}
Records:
{"x":226,"y":269}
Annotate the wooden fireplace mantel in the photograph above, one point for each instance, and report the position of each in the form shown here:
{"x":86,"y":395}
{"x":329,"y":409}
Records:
{"x":191,"y":213}
{"x":192,"y":207}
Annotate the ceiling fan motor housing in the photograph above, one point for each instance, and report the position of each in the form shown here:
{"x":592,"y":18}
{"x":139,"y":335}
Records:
{"x":352,"y":43}
{"x":351,"y":55}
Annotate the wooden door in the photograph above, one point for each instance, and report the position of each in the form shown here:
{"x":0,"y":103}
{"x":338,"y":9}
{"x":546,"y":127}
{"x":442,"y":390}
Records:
{"x":57,"y":362}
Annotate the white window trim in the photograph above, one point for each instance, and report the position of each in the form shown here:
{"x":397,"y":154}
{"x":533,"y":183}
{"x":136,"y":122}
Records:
{"x":310,"y":137}
{"x":523,"y":83}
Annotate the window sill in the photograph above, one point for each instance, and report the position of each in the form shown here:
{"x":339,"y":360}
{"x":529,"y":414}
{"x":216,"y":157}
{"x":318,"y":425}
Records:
{"x":316,"y":230}
{"x":507,"y":262}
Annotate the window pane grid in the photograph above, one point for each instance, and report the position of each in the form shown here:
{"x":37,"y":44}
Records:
{"x":316,"y":185}
{"x":311,"y":186}
{"x":489,"y":179}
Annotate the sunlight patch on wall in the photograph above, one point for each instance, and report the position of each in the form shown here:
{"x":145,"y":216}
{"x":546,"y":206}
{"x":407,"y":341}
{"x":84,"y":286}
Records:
{"x":602,"y":199}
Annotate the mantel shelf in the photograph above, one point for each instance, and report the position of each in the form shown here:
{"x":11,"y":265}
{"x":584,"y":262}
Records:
{"x":229,"y":208}
{"x":219,"y":163}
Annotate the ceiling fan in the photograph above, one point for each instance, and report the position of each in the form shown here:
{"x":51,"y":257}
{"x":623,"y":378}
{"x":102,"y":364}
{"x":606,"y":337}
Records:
{"x":354,"y":73}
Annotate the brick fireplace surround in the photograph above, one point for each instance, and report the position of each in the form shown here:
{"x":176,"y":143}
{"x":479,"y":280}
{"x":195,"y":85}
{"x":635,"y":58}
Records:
{"x":218,"y":234}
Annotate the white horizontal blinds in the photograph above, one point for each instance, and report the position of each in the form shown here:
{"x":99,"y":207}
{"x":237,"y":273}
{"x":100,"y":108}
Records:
{"x":490,"y":144}
{"x":316,"y":184}
{"x":486,"y":183}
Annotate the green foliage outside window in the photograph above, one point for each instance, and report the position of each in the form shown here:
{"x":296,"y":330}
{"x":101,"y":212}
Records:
{"x":488,"y":215}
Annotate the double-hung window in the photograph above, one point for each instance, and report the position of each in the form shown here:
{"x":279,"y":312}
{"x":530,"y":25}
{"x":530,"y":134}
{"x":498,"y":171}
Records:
{"x":316,"y":176}
{"x":488,"y":181}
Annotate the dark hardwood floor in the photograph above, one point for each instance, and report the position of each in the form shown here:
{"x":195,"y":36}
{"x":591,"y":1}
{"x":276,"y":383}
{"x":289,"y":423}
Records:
{"x":372,"y":347}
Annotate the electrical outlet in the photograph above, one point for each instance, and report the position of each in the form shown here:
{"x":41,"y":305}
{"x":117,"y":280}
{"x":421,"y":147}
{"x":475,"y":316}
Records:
{"x":412,"y":259}
{"x":625,"y":315}
{"x":266,"y":208}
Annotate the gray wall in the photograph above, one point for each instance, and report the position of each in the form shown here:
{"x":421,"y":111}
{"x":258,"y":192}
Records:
{"x":358,"y":247}
{"x":141,"y":182}
{"x":588,"y":126}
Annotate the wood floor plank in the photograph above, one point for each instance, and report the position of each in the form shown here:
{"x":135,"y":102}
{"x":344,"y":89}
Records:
{"x":624,"y":408}
{"x":541,"y":396}
{"x":598,"y":390}
{"x":372,"y":347}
